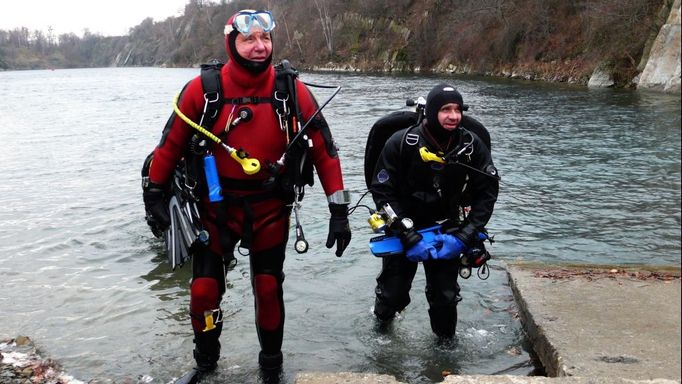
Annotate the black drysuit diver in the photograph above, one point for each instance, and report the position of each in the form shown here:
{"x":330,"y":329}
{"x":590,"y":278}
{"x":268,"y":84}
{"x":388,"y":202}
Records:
{"x":429,"y":192}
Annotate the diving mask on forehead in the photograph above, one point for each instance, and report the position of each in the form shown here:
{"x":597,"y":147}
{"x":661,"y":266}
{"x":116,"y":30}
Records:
{"x":245,"y":21}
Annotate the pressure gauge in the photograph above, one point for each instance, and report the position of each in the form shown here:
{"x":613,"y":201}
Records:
{"x":465,"y":272}
{"x":407,"y":223}
{"x":301,"y":246}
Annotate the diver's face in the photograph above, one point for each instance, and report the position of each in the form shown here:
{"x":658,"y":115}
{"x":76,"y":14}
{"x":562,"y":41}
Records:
{"x":257,"y":46}
{"x":449,"y":116}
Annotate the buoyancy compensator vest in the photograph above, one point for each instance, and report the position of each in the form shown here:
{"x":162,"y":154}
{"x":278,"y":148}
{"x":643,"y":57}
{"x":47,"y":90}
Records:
{"x":188,"y":183}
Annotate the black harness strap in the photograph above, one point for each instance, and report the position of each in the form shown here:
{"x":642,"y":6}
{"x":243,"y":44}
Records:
{"x":248,"y":100}
{"x":299,"y":167}
{"x":245,"y":203}
{"x":214,"y":101}
{"x":245,"y":185}
{"x":213,"y":93}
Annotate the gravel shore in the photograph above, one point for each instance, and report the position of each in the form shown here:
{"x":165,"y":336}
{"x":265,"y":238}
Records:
{"x":20,"y":363}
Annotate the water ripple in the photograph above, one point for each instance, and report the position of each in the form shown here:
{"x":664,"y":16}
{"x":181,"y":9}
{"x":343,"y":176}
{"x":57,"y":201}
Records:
{"x":587,"y":177}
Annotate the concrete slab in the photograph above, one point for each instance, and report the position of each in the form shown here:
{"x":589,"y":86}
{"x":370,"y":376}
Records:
{"x":601,"y":322}
{"x":344,"y":378}
{"x":482,"y":379}
{"x":368,"y":378}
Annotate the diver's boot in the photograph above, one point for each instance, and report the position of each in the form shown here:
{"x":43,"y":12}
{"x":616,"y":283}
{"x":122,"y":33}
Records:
{"x":383,"y":313}
{"x":207,"y":349}
{"x":206,"y":353}
{"x":270,"y":357}
{"x":443,"y":320}
{"x":270,"y":367}
{"x":270,"y":361}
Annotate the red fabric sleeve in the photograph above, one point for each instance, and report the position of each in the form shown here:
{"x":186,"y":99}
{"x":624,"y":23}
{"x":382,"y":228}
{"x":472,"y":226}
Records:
{"x":176,"y":134}
{"x":328,"y":167}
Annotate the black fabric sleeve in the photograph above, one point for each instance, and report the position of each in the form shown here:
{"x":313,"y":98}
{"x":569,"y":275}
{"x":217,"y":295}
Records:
{"x":388,"y":175}
{"x":484,"y":187}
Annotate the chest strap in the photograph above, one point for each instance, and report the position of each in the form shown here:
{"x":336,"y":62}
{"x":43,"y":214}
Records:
{"x":248,"y":100}
{"x":231,"y":184}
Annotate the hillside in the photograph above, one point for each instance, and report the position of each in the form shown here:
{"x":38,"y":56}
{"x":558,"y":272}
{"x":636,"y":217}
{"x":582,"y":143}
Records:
{"x":551,"y":40}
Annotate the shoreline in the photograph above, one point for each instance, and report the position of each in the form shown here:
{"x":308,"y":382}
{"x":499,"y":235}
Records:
{"x":21,"y":363}
{"x":564,"y":329}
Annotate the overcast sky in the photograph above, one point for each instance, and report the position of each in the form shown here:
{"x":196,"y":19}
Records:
{"x":109,"y":18}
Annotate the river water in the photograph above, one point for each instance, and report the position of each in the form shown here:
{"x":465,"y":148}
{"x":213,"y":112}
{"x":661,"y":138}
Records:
{"x":589,"y":177}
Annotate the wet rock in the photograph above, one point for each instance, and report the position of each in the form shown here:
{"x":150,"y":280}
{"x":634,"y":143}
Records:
{"x":662,"y":71}
{"x":601,"y":78}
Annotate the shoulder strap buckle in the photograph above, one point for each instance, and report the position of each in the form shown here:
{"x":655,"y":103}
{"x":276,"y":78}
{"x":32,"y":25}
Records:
{"x":284,"y":98}
{"x":211,"y":84}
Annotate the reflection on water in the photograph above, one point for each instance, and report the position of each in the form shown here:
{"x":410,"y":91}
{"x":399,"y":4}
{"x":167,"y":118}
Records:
{"x":588,"y":177}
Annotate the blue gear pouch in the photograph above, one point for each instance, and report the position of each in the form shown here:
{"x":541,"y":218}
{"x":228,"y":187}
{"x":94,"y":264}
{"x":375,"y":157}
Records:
{"x":212,"y":182}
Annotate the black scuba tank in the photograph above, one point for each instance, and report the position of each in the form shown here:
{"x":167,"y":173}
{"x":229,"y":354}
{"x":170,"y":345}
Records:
{"x":386,"y":126}
{"x":380,"y":132}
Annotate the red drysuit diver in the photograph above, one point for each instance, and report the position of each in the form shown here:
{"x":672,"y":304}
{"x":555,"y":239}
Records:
{"x":256,"y":212}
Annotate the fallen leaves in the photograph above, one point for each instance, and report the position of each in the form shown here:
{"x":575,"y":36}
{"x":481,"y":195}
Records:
{"x":596,"y":273}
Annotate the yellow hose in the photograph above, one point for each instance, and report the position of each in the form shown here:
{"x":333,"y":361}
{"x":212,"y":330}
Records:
{"x":430,"y":156}
{"x":250,"y":166}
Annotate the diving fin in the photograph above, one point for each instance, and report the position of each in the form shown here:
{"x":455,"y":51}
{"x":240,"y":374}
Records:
{"x":192,"y":377}
{"x":180,"y":235}
{"x":185,"y":232}
{"x":188,"y":234}
{"x":171,"y":232}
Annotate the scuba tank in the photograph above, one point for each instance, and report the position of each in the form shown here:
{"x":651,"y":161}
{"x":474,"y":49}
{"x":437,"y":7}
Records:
{"x":384,"y":128}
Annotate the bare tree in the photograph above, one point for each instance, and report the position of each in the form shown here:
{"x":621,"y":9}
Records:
{"x":296,"y":38}
{"x":327,"y":24}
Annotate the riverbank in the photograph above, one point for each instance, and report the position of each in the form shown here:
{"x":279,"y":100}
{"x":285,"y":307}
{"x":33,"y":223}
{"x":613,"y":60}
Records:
{"x":553,"y":40}
{"x":21,"y":363}
{"x":586,"y":324}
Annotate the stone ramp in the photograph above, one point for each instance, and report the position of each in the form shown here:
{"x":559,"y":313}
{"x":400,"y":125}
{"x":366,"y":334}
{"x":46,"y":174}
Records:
{"x":482,"y":379}
{"x":368,"y":378}
{"x":601,"y":322}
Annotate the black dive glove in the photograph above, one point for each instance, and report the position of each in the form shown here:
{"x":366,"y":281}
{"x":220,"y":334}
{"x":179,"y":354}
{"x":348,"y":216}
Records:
{"x":409,"y":238}
{"x":156,"y":207}
{"x":339,"y":229}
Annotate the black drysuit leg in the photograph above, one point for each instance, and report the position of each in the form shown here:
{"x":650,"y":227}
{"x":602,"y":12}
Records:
{"x":393,"y":286}
{"x":442,"y":294}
